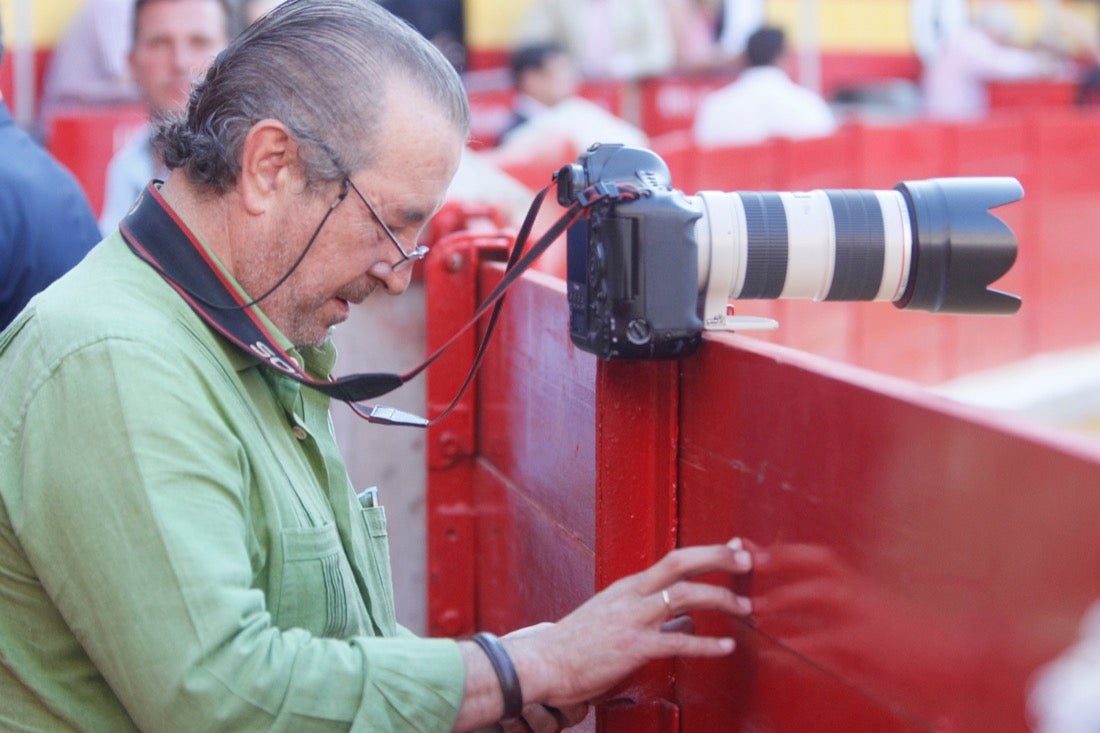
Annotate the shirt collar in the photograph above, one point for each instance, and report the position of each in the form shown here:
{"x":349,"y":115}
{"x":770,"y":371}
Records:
{"x":764,"y":72}
{"x":529,"y":106}
{"x":317,"y":361}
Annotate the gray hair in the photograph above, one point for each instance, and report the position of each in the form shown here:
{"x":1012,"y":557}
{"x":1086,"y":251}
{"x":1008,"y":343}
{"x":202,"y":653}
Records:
{"x":322,"y":68}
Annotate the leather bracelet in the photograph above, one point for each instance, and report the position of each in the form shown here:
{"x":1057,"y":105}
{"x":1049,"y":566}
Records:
{"x":506,"y":673}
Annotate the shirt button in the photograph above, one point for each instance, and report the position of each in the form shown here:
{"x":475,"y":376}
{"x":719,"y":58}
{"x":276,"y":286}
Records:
{"x":299,"y":432}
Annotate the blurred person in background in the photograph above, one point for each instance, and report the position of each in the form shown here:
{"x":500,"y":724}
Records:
{"x":932,"y":22}
{"x":1068,"y":34}
{"x":173,"y":43}
{"x":549,"y":114}
{"x":46,"y":225}
{"x":606,"y":39}
{"x":253,"y":10}
{"x":955,"y":80}
{"x":695,"y":26}
{"x":763,"y":101}
{"x":88,"y":66}
{"x":1076,"y":40}
{"x":739,"y":19}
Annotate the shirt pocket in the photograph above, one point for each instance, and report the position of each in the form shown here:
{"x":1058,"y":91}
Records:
{"x":378,"y":561}
{"x":316,"y":587}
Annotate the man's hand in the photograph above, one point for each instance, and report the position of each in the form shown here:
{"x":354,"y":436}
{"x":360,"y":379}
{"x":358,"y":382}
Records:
{"x":620,"y":629}
{"x":564,"y":665}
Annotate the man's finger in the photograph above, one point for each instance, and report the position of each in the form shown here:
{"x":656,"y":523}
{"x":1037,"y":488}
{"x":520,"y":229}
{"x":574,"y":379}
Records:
{"x":687,"y":562}
{"x":679,"y":625}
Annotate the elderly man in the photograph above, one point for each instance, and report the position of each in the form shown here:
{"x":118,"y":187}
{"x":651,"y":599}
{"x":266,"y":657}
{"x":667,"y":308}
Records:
{"x":180,"y":547}
{"x":173,"y":43}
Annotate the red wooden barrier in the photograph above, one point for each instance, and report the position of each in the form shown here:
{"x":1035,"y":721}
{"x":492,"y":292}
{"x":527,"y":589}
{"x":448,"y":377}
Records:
{"x":1033,"y":94}
{"x":487,"y":502}
{"x":668,"y":103}
{"x":7,"y":75}
{"x":7,"y":85}
{"x":924,"y":557}
{"x":84,"y":141}
{"x":1068,"y":185}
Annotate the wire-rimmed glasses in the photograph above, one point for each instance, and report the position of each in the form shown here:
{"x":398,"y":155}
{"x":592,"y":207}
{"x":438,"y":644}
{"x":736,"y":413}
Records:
{"x":407,"y":258}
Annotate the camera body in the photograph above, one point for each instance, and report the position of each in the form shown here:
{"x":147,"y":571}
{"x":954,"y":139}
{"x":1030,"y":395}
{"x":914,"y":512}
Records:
{"x":648,"y":272}
{"x":632,"y":267}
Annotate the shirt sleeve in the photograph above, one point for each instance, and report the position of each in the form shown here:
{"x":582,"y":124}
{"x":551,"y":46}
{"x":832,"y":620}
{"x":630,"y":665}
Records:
{"x":135,"y":518}
{"x":993,"y":62}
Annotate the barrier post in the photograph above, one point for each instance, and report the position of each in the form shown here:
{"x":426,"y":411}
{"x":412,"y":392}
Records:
{"x":637,"y":431}
{"x":451,"y":274}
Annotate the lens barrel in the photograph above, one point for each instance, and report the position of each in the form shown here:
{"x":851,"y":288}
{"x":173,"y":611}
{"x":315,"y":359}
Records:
{"x":926,"y":245}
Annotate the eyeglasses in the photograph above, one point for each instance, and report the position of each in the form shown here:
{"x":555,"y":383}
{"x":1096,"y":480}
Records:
{"x":407,"y":258}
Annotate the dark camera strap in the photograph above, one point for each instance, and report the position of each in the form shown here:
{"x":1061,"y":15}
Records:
{"x":157,"y":236}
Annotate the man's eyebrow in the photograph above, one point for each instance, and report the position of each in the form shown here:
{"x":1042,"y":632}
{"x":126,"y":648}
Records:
{"x":413,"y":216}
{"x":418,"y":216}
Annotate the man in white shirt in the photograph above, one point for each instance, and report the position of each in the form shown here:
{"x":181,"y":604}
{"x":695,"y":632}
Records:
{"x":173,"y":43}
{"x":550,"y":116}
{"x":763,"y":102}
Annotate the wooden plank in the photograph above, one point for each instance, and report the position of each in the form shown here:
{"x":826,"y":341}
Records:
{"x":926,"y":555}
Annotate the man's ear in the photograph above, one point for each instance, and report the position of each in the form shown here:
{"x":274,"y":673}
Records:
{"x":269,"y":164}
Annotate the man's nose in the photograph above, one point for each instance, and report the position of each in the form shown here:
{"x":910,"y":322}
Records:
{"x":186,"y":58}
{"x":180,"y":56}
{"x":395,"y":281}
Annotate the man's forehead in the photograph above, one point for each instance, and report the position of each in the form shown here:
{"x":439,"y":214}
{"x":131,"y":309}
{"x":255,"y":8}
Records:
{"x":181,"y":8}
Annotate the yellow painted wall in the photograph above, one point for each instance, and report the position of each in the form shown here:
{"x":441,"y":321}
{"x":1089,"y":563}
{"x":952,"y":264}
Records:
{"x":492,"y":23}
{"x":877,"y":26}
{"x":48,"y":19}
{"x":873,"y":26}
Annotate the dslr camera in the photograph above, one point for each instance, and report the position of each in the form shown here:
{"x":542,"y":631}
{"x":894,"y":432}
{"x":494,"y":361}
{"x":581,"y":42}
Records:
{"x":649,"y":272}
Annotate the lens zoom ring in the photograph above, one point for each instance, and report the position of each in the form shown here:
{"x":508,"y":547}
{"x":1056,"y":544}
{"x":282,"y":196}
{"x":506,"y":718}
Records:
{"x":766,"y":254}
{"x":860,"y":245}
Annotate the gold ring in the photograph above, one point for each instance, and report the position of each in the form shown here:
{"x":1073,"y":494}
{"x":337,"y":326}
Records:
{"x":667,"y":600}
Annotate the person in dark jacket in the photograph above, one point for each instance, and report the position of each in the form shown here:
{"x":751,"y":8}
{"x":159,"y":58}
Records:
{"x":46,"y":223}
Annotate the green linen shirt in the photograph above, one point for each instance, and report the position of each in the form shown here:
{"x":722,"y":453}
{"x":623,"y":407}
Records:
{"x":180,"y":545}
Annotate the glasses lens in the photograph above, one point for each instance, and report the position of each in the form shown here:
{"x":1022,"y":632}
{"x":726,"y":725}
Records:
{"x":418,"y":252}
